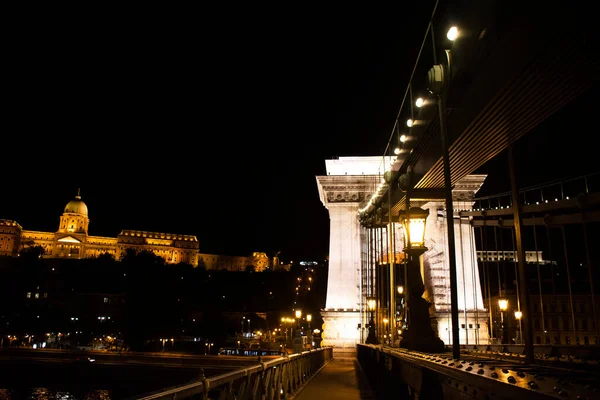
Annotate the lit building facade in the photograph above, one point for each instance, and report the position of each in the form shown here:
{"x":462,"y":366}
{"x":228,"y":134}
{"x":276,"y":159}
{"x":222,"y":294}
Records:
{"x":511,"y":255}
{"x":72,"y":240}
{"x":258,"y":261}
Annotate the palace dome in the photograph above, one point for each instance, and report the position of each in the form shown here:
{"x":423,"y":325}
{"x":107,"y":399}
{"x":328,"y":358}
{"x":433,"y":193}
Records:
{"x":76,"y":206}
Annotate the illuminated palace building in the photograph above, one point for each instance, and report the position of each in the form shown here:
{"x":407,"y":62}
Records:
{"x":71,"y":240}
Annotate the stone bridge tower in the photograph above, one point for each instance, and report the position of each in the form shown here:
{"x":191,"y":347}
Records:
{"x":350,"y":181}
{"x":348,"y":185}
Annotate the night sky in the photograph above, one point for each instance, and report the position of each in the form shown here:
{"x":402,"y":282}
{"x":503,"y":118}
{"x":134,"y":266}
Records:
{"x":215,"y":129}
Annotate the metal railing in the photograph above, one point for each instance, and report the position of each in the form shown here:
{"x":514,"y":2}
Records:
{"x":272,"y":380}
{"x":474,"y":376}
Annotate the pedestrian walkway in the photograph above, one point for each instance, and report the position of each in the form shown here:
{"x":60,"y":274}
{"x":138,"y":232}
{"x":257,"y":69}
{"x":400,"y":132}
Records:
{"x":341,"y":378}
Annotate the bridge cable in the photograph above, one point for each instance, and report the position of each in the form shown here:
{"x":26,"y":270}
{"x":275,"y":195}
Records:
{"x":429,"y":27}
{"x":589,"y":265}
{"x":537,"y":259}
{"x":486,"y":268}
{"x":464,"y":281}
{"x":497,"y":267}
{"x":515,"y":255}
{"x":474,"y":280}
{"x":562,"y":227}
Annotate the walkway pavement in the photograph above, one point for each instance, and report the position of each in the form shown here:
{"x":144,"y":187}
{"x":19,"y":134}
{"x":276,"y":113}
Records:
{"x":342,"y":378}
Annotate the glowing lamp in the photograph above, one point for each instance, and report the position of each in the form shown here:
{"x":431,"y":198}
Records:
{"x":414,"y":226}
{"x":452,"y":33}
{"x":372,"y":303}
{"x":518,"y":314}
{"x":503,"y":304}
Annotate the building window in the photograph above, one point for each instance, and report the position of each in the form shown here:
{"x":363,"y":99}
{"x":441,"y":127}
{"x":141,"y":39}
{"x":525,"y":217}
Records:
{"x":37,"y":295}
{"x":106,"y":299}
{"x":28,"y":295}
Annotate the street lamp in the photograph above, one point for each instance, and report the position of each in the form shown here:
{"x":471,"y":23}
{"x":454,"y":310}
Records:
{"x":438,"y":84}
{"x":385,"y":327}
{"x":371,"y":337}
{"x":400,"y":312}
{"x":308,"y":319}
{"x":298,"y":314}
{"x":419,"y":335}
{"x":518,"y":316}
{"x":503,"y":306}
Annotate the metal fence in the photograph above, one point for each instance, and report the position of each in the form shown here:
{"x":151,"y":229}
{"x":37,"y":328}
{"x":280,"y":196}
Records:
{"x":270,"y":380}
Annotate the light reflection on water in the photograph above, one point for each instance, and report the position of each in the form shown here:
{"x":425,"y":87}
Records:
{"x":41,"y":393}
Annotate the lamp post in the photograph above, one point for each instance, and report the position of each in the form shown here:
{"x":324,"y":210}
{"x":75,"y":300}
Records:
{"x":308,"y":319}
{"x":400,"y":322}
{"x":518,"y":315}
{"x":503,"y":306}
{"x":438,"y":84}
{"x":419,"y":335}
{"x":385,"y":329}
{"x":371,"y":337}
{"x":298,"y":314}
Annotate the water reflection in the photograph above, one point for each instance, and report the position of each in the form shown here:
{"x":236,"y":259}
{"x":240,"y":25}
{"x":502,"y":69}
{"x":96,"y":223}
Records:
{"x":42,"y":393}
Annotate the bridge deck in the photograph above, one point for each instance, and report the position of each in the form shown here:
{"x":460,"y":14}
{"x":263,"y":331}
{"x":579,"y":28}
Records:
{"x":341,"y":378}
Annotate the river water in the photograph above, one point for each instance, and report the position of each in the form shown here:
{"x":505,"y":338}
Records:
{"x":43,"y":393}
{"x":102,"y":383}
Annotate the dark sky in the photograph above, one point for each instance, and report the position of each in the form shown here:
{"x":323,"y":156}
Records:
{"x":214,"y":127}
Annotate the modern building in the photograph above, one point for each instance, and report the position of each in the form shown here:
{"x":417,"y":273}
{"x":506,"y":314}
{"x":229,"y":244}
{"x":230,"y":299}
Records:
{"x":72,"y":240}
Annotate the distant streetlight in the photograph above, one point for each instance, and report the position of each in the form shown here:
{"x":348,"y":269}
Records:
{"x":385,"y":327}
{"x":503,"y":306}
{"x":371,"y":337}
{"x":298,"y":314}
{"x":518,"y":316}
{"x":452,"y":33}
{"x":308,"y":319}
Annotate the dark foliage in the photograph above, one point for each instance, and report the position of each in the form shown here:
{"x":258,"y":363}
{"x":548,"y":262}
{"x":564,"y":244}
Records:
{"x":142,"y":299}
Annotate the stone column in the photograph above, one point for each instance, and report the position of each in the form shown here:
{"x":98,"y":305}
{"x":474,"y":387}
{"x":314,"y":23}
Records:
{"x":349,"y":182}
{"x":472,"y":315}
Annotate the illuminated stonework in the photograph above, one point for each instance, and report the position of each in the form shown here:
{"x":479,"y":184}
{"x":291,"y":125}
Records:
{"x":473,"y":316}
{"x":71,"y":240}
{"x":350,"y":182}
